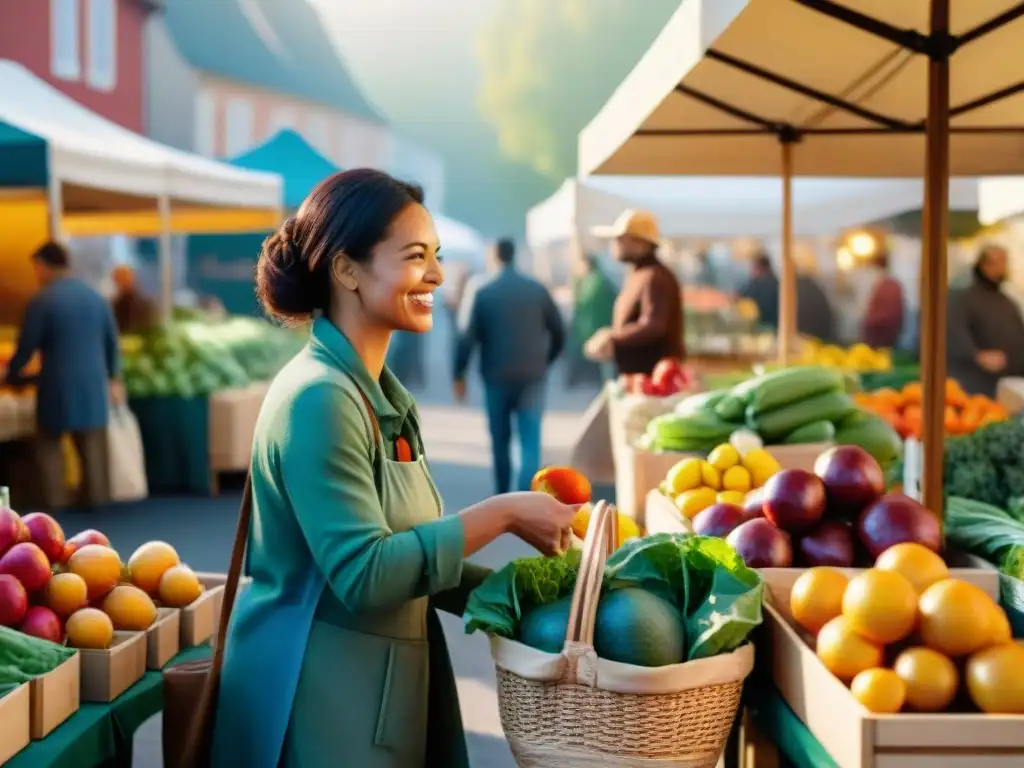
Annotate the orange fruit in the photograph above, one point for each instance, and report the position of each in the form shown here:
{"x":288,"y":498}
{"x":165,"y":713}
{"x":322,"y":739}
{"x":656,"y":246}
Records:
{"x":179,"y":587}
{"x":148,"y":563}
{"x":99,"y":566}
{"x":881,"y":606}
{"x":930,"y":677}
{"x":89,"y":628}
{"x":879,"y":690}
{"x":995,"y":679}
{"x":66,"y":593}
{"x":957,"y":618}
{"x":129,"y":608}
{"x":817,"y":597}
{"x":915,"y":562}
{"x":844,"y":652}
{"x":1002,"y":632}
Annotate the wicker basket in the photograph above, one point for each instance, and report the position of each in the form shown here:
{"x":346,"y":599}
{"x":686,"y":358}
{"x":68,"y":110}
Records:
{"x":573,"y":709}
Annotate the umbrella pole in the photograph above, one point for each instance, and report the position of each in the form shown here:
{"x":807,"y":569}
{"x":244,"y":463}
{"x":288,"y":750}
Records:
{"x":55,"y":210}
{"x":164,"y":259}
{"x":787,"y":286}
{"x":934,"y":268}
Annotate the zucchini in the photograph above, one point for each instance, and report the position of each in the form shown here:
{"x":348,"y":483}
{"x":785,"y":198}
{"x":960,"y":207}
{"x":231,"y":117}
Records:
{"x":776,"y":424}
{"x":793,"y":385}
{"x":699,"y":427}
{"x":815,"y":432}
{"x":873,"y":434}
{"x":730,"y":408}
{"x":705,"y":401}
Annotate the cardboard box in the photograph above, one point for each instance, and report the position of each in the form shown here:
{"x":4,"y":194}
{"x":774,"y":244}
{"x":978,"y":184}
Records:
{"x":233,"y":414}
{"x":108,"y":673}
{"x":15,"y":718}
{"x":1010,"y":394}
{"x":163,"y":638}
{"x":55,"y":696}
{"x":856,"y":738}
{"x":215,"y":582}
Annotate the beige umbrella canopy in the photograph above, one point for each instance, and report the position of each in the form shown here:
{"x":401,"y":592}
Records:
{"x":890,"y":88}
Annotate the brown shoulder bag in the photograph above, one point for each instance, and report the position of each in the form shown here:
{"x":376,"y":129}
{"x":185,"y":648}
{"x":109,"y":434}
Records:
{"x":190,"y":688}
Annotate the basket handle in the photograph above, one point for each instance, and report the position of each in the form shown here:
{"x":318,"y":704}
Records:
{"x":579,"y":637}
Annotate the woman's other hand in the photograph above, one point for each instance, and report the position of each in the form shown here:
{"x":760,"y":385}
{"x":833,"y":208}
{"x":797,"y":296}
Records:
{"x":539,"y":519}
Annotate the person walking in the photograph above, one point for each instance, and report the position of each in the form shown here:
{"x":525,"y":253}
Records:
{"x":647,"y":321}
{"x":985,"y":331}
{"x":593,"y":308}
{"x":882,"y":323}
{"x":71,"y":327}
{"x":334,"y":653}
{"x":518,"y":329}
{"x":762,"y":288}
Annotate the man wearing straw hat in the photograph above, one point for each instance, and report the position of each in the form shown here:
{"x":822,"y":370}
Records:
{"x":647,"y":324}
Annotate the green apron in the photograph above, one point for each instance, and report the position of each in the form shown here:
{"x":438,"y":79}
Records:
{"x":394,"y":663}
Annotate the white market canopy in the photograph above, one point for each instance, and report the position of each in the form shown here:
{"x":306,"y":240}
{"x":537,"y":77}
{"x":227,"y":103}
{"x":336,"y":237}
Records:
{"x":722,"y":207}
{"x":106,"y":165}
{"x":1000,"y":199}
{"x":727,"y":79}
{"x":458,"y":237}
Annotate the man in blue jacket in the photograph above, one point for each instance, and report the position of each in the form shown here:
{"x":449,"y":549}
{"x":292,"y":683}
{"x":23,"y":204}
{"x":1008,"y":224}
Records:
{"x":515,"y":322}
{"x":72,"y":328}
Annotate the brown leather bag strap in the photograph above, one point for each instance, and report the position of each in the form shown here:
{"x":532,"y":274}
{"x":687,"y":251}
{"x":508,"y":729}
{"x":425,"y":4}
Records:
{"x":378,"y":441}
{"x":234,"y":576}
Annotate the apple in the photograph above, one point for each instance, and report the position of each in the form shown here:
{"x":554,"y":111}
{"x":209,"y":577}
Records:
{"x":10,"y":529}
{"x":43,"y":623}
{"x":13,"y":601}
{"x":81,"y":539}
{"x":753,"y":504}
{"x":853,"y":479}
{"x":28,"y":564}
{"x":717,"y":520}
{"x":794,"y":499}
{"x":895,"y":519}
{"x":46,"y":534}
{"x":831,"y":543}
{"x":761,"y":544}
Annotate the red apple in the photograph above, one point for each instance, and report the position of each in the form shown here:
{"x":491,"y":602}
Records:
{"x":753,"y":505}
{"x":23,"y":533}
{"x":794,"y":499}
{"x":895,"y":519}
{"x":761,"y":544}
{"x":10,"y":529}
{"x":831,"y":543}
{"x":717,"y":520}
{"x":89,"y":536}
{"x":46,"y":534}
{"x":853,"y":479}
{"x":13,"y":601}
{"x":28,"y":564}
{"x":43,"y":623}
{"x":666,"y":373}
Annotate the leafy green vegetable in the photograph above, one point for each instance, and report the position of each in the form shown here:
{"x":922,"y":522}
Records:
{"x":982,"y":529}
{"x":718,"y":596}
{"x":1013,"y":562}
{"x":497,"y":605}
{"x":987,"y":465}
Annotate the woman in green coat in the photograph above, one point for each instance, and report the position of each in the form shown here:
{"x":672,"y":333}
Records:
{"x":334,"y":653}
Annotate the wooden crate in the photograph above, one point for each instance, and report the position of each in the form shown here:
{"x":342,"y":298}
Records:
{"x":15,"y":717}
{"x":56,"y":696}
{"x":163,"y":638}
{"x":661,"y":515}
{"x":858,"y":739}
{"x":108,"y":673}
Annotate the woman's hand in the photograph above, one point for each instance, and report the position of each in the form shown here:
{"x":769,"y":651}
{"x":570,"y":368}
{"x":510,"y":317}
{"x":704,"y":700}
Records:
{"x":539,"y":519}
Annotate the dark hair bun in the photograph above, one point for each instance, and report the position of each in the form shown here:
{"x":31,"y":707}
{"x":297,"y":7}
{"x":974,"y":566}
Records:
{"x":285,"y":286}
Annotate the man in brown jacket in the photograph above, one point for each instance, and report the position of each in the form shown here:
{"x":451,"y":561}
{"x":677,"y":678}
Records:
{"x":647,"y":323}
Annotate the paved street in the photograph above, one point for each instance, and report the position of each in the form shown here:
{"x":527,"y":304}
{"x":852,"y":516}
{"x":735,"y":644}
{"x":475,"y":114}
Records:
{"x":458,"y":448}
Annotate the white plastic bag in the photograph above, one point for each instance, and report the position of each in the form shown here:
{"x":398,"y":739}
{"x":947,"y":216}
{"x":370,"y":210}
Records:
{"x":126,"y":461}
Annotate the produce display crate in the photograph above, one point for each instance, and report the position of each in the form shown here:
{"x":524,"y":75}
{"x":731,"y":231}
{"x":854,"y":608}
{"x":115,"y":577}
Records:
{"x":856,"y":738}
{"x":233,"y":414}
{"x":56,"y":696}
{"x":1010,"y":394}
{"x":648,"y":469}
{"x":661,"y":515}
{"x":199,"y":621}
{"x":217,"y":581}
{"x":591,"y":452}
{"x":15,"y":718}
{"x":163,"y":638}
{"x":108,"y":673}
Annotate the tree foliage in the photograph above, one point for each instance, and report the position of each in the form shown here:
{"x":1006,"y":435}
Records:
{"x":549,"y":65}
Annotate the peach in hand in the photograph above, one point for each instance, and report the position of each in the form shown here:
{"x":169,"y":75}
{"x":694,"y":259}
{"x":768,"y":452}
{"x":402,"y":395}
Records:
{"x":564,"y":483}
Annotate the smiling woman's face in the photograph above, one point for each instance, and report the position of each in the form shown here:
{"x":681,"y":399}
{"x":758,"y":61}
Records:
{"x":398,"y":283}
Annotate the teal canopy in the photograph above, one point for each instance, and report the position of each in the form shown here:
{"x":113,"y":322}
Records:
{"x":289,"y":155}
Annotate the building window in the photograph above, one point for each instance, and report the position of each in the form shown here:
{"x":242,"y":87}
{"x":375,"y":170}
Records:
{"x":238,"y":130}
{"x":205,"y":120}
{"x":281,"y":119}
{"x":318,"y":133}
{"x":64,"y":58}
{"x":102,"y":69}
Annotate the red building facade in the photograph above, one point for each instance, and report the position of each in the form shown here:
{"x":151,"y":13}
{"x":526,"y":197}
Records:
{"x":89,"y":49}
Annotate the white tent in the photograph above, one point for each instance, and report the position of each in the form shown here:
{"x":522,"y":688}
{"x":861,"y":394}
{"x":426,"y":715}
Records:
{"x":460,"y":239}
{"x":86,"y":150}
{"x":1000,"y":199}
{"x":721,"y":207}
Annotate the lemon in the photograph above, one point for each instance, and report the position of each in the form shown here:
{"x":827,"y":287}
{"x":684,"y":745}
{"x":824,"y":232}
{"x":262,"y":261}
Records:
{"x":735,"y":498}
{"x":689,"y":503}
{"x":710,"y":477}
{"x":736,"y":479}
{"x":761,"y":465}
{"x":684,"y":476}
{"x":627,"y":529}
{"x":724,"y":457}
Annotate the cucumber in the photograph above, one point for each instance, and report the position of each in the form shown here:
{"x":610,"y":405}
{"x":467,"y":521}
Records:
{"x":699,"y":427}
{"x":776,"y":424}
{"x":873,"y":434}
{"x":730,"y":408}
{"x":705,"y":401}
{"x":793,"y":385}
{"x":815,"y":432}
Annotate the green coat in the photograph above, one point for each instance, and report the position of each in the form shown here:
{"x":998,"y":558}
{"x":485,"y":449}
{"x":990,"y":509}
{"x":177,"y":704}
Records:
{"x":334,"y":654}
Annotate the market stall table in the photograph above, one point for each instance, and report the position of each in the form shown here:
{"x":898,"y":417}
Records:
{"x":102,"y":734}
